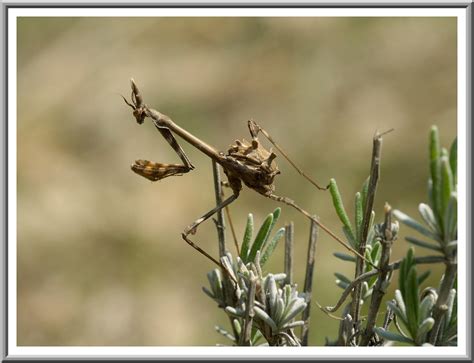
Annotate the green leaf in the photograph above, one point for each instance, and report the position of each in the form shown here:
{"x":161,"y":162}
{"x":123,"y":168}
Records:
{"x":276,"y":214}
{"x":344,"y":256}
{"x":423,"y":276}
{"x":398,"y":311}
{"x":264,"y":316}
{"x":451,"y":219}
{"x":387,"y":335}
{"x":435,"y":149}
{"x":376,"y":252}
{"x":453,"y":159}
{"x":339,"y":206}
{"x":247,"y":238}
{"x":428,"y":216}
{"x":435,"y":154}
{"x":410,"y":222}
{"x":343,"y":285}
{"x":261,"y":238}
{"x":359,"y":216}
{"x":423,"y":244}
{"x":423,"y":329}
{"x":450,"y":303}
{"x":412,"y":301}
{"x":237,"y":326}
{"x":364,"y":192}
{"x":272,"y":245}
{"x":342,"y":277}
{"x":447,"y":184}
{"x":426,"y":306}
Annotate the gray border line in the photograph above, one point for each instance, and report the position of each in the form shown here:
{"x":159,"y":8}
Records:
{"x":5,"y":5}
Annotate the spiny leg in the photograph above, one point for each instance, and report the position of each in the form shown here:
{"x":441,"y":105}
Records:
{"x":291,"y":203}
{"x":191,"y":229}
{"x":255,"y":129}
{"x":166,"y":133}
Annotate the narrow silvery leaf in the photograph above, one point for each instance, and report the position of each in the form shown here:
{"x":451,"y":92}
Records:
{"x":264,"y":316}
{"x":287,"y":294}
{"x":247,"y":238}
{"x":401,"y":303}
{"x":349,"y":236}
{"x":344,"y":256}
{"x":342,"y":277}
{"x":343,"y":285}
{"x":224,"y":332}
{"x":447,"y":184}
{"x":426,"y":306}
{"x":234,"y":312}
{"x":402,"y":217}
{"x":371,"y":234}
{"x":453,"y":156}
{"x":392,"y":336}
{"x":435,"y":153}
{"x":280,"y":306}
{"x":276,"y":214}
{"x":293,"y":324}
{"x":451,"y":218}
{"x":420,"y":243}
{"x":428,"y":216}
{"x":359,"y":216}
{"x":396,"y":309}
{"x":279,"y":277}
{"x":272,"y":294}
{"x":261,"y":238}
{"x":237,"y":326}
{"x":208,"y":293}
{"x":364,"y":192}
{"x":424,"y":328}
{"x":228,"y":267}
{"x":412,"y":301}
{"x":376,"y":252}
{"x":450,"y":304}
{"x":297,"y":308}
{"x":272,"y":245}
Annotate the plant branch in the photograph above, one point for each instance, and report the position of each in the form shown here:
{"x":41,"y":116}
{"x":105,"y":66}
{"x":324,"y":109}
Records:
{"x":308,"y":281}
{"x":441,"y":303}
{"x":365,"y":276}
{"x":373,"y":181}
{"x":384,"y":275}
{"x":245,"y":337}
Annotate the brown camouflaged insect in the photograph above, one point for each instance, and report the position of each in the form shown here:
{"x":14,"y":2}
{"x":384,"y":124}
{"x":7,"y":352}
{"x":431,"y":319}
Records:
{"x":245,"y":162}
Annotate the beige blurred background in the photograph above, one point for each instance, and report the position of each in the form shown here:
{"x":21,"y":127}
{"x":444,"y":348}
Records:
{"x":100,"y":257}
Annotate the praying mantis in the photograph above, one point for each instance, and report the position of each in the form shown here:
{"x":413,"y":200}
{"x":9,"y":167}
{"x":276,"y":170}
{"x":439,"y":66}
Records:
{"x":245,"y":162}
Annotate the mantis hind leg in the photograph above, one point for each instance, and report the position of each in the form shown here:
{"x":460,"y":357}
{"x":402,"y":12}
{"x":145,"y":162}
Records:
{"x":191,"y":229}
{"x":254,"y":129}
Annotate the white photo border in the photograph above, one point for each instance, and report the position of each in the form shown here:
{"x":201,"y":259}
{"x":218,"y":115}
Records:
{"x":463,"y":13}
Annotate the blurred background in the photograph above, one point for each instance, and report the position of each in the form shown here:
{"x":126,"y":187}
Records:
{"x":100,"y":256}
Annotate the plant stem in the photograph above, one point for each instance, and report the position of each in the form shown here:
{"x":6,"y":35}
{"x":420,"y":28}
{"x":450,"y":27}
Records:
{"x":374,"y":176}
{"x":441,"y":303}
{"x":308,"y":281}
{"x":380,"y":289}
{"x":289,"y":243}
{"x":365,"y":276}
{"x":249,"y":314}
